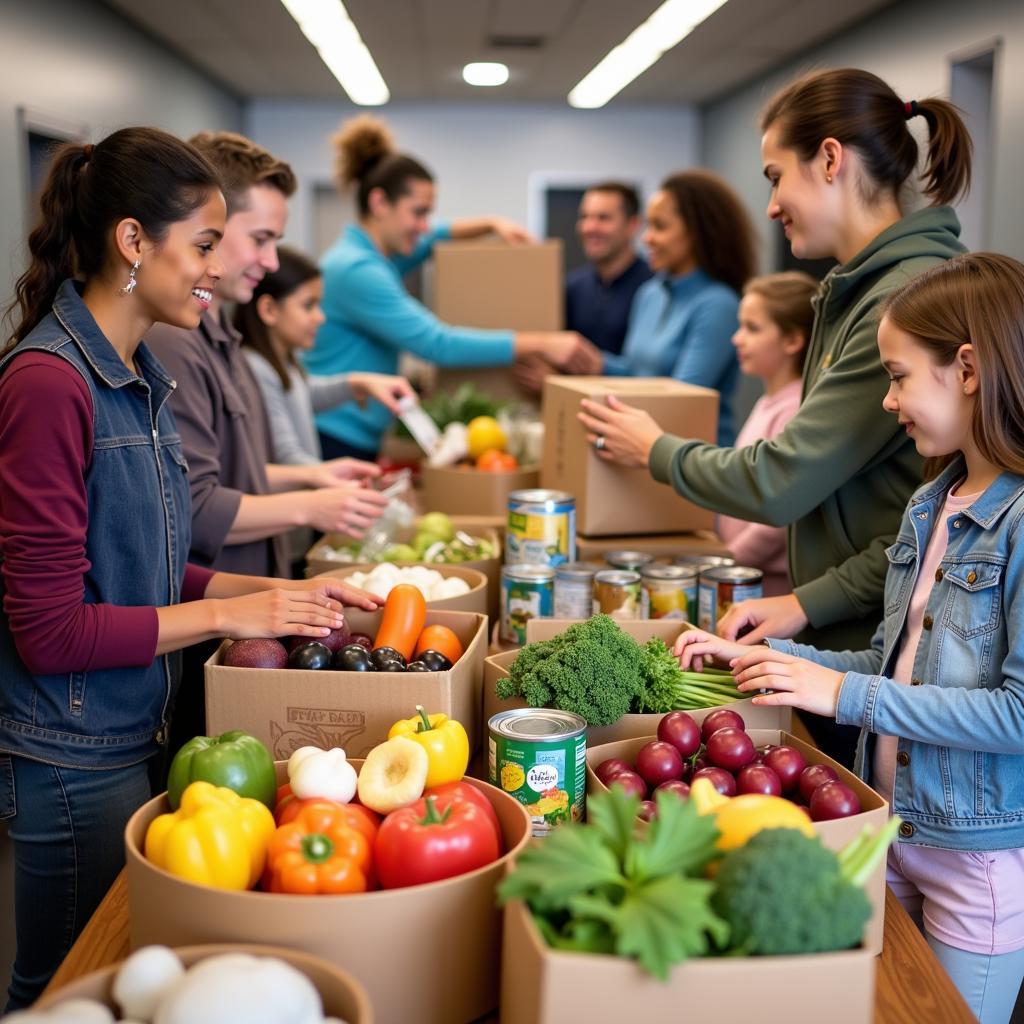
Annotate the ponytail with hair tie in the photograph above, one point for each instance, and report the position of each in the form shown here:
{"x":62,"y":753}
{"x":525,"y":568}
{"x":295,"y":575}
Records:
{"x":910,"y":109}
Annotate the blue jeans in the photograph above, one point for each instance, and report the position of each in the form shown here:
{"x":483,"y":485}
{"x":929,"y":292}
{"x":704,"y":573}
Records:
{"x":67,"y":827}
{"x":989,"y":984}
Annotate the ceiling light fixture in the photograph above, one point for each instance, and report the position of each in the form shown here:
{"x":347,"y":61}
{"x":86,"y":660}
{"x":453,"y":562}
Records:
{"x":485,"y":73}
{"x":669,"y":25}
{"x":326,"y":24}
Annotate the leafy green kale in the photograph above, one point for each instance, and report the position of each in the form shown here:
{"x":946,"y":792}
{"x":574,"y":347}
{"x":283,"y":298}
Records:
{"x":593,"y":669}
{"x":614,"y":886}
{"x":662,"y":677}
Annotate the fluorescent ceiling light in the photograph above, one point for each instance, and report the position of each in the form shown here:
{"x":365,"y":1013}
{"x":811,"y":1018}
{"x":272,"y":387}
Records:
{"x":672,"y":22}
{"x":485,"y":73}
{"x":326,"y":24}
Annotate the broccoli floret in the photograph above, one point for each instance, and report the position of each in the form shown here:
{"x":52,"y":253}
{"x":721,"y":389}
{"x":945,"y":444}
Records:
{"x":785,"y":893}
{"x":592,"y":669}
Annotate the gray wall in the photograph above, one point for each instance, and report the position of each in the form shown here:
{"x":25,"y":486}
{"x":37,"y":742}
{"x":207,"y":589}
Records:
{"x":76,"y":63}
{"x":911,"y":46}
{"x":483,"y":157}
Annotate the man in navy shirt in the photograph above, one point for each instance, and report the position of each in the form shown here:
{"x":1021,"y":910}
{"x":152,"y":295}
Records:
{"x":598,"y":295}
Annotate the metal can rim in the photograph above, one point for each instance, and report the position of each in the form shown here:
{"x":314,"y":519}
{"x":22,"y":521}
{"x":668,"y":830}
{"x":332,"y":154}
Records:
{"x":622,"y":577}
{"x":526,"y":572}
{"x":669,"y":572}
{"x":732,"y":574}
{"x":577,"y":724}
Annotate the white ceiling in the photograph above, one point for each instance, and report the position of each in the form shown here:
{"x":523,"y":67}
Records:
{"x":256,"y":50}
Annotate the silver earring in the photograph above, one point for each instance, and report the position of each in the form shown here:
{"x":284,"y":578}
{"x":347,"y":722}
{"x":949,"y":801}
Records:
{"x":130,"y":286}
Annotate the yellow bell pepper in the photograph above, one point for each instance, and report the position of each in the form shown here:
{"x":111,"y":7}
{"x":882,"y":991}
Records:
{"x":216,"y":837}
{"x":740,"y":818}
{"x":444,"y":740}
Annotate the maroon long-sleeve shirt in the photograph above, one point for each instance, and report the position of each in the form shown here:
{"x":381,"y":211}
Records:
{"x":46,"y":442}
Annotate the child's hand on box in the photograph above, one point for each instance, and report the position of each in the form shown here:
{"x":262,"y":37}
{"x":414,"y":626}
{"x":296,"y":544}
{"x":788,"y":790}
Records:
{"x":795,"y":682}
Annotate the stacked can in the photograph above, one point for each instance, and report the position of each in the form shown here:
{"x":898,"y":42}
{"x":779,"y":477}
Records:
{"x":722,"y":587}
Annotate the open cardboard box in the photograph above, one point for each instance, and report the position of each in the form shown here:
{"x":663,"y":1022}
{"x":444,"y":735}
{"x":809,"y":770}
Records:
{"x":473,"y":492}
{"x":540,"y":985}
{"x":292,"y":708}
{"x":474,"y":600}
{"x":496,"y":667}
{"x":834,"y":834}
{"x":428,"y":954}
{"x":490,"y":528}
{"x":611,"y":499}
{"x":663,"y":546}
{"x":341,"y":994}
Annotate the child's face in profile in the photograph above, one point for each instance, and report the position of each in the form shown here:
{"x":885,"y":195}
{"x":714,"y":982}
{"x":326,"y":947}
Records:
{"x":763,"y":350}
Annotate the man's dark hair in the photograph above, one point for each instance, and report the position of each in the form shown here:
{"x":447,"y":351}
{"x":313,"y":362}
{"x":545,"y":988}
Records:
{"x":629,"y":196}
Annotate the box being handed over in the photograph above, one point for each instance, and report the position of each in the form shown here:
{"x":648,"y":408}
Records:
{"x":611,"y":499}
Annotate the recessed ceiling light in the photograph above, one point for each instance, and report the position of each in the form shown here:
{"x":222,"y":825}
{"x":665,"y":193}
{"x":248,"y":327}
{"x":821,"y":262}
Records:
{"x":485,"y":73}
{"x":669,"y":25}
{"x":326,"y":24}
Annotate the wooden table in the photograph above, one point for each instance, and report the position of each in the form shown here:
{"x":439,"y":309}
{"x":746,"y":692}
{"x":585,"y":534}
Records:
{"x":911,"y":986}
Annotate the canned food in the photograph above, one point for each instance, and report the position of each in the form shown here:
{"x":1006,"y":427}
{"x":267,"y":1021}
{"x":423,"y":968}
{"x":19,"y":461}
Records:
{"x":634,"y":561}
{"x":539,"y":756}
{"x":723,"y":587}
{"x":574,"y":590}
{"x":527,"y":592}
{"x":541,"y":528}
{"x":617,"y":593}
{"x":668,"y":592}
{"x":703,"y":562}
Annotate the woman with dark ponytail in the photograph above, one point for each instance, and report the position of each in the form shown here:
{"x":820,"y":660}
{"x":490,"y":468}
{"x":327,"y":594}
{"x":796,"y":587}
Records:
{"x":839,"y":158}
{"x":95,"y":521}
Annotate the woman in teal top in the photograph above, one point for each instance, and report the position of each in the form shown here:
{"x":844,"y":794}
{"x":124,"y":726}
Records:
{"x":372,"y":319}
{"x":701,"y":244}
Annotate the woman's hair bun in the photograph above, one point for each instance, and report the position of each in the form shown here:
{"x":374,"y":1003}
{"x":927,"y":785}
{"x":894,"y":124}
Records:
{"x":358,"y":145}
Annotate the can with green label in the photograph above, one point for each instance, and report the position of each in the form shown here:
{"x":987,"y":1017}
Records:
{"x":539,"y":756}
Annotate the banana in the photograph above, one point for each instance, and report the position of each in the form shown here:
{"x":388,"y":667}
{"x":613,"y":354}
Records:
{"x":393,"y":775}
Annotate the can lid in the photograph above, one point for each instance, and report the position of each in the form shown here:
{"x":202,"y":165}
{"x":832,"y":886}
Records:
{"x":732,"y":574}
{"x":702,"y":562}
{"x":668,"y":572}
{"x":628,"y":559}
{"x":576,"y":570}
{"x":525,"y":572}
{"x":621,"y":577}
{"x":540,"y":496}
{"x":537,"y":724}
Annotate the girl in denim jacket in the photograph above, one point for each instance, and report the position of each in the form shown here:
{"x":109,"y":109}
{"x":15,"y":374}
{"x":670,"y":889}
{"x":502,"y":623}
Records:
{"x":939,"y":696}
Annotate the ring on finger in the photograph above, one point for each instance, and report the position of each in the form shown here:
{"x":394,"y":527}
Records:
{"x":599,"y":443}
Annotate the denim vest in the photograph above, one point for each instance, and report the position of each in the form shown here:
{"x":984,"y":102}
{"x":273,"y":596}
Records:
{"x":137,"y":542}
{"x":960,"y":761}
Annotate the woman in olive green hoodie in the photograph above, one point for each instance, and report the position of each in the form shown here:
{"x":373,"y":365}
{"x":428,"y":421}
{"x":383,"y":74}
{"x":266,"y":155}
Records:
{"x":838,"y":153}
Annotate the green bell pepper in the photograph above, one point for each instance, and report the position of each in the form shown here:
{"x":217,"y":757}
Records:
{"x":232,"y":759}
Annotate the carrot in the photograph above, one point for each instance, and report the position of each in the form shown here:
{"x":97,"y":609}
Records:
{"x":405,"y":612}
{"x":442,"y":640}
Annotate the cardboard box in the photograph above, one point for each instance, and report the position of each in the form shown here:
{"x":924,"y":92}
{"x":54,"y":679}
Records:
{"x":834,"y":834}
{"x":472,"y":492}
{"x":491,"y":528}
{"x":428,"y":954}
{"x":612,"y":500}
{"x":292,"y":708}
{"x":661,"y":545}
{"x":628,"y":726}
{"x":475,"y":600}
{"x":341,"y":994}
{"x":540,"y":985}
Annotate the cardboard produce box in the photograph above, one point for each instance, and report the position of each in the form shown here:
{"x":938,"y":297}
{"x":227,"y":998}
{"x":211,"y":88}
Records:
{"x":628,"y":726}
{"x":428,"y":954}
{"x":341,"y":994}
{"x":661,"y":545}
{"x":540,"y":985}
{"x":612,"y":500}
{"x":475,"y":600}
{"x":292,"y":708}
{"x":834,"y":834}
{"x":490,"y":528}
{"x":473,"y":492}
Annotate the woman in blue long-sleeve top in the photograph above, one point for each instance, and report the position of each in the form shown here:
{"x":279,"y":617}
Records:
{"x":372,"y":319}
{"x":701,"y":245}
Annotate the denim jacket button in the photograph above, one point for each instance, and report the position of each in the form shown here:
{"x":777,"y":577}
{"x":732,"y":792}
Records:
{"x":972,"y":577}
{"x":922,"y":515}
{"x":906,"y":829}
{"x":956,"y":524}
{"x":938,"y":575}
{"x":903,"y":759}
{"x":927,"y":622}
{"x":161,"y":736}
{"x":917,"y":682}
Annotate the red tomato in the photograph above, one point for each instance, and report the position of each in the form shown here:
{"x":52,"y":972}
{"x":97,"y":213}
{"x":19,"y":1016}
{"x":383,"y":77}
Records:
{"x":458,"y":792}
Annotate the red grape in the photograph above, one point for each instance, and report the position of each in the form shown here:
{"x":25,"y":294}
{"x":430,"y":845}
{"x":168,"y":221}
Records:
{"x":758,"y":778}
{"x":730,"y":749}
{"x":833,"y":800}
{"x":812,"y":777}
{"x":723,"y":719}
{"x":679,"y":729}
{"x":787,"y":763}
{"x":606,"y":769}
{"x":674,"y":786}
{"x":657,"y":762}
{"x":719,"y":778}
{"x":631,"y":784}
{"x":648,"y":810}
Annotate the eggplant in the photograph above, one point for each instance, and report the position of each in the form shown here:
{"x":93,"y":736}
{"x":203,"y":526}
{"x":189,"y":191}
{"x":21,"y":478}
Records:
{"x":313,"y":655}
{"x":353,"y":658}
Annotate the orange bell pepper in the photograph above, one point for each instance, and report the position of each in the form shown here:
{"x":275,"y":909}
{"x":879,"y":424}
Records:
{"x":318,"y":852}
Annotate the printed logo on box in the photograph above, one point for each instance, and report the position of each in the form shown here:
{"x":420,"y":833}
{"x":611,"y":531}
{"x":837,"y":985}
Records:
{"x":317,"y":727}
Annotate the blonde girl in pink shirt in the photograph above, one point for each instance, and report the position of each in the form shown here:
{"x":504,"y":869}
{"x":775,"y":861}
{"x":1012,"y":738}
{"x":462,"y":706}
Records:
{"x":775,"y":322}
